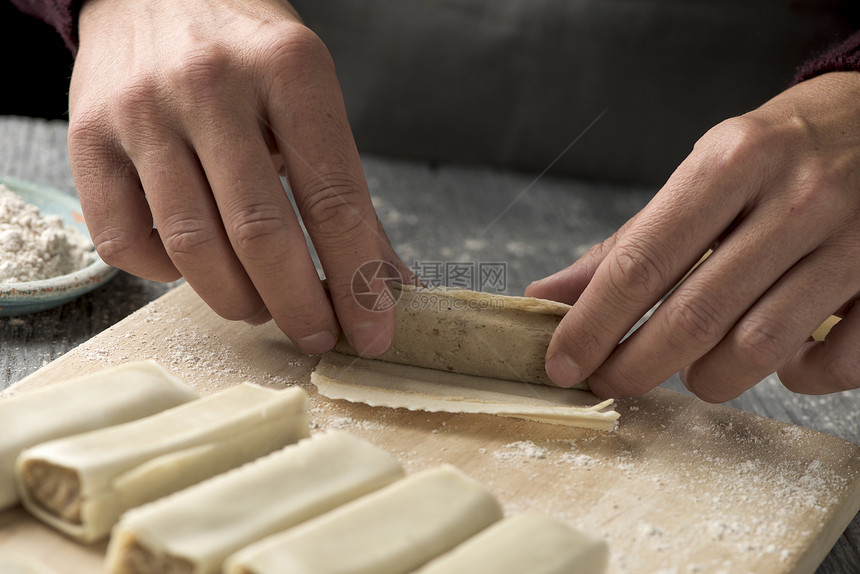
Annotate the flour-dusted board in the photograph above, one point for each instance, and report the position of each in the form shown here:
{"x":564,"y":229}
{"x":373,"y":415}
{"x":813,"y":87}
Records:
{"x":681,"y":486}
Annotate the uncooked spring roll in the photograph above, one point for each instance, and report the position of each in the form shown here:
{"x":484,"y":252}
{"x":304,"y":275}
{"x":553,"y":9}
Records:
{"x":194,"y":530}
{"x":391,"y":531}
{"x":472,"y":333}
{"x":529,"y":542}
{"x":99,"y":400}
{"x":82,"y":484}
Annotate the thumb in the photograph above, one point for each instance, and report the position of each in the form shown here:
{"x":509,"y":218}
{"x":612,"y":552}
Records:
{"x":568,"y":284}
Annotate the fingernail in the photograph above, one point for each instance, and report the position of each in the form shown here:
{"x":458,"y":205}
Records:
{"x":318,"y":343}
{"x":260,"y":318}
{"x":370,"y":339}
{"x":563,"y":371}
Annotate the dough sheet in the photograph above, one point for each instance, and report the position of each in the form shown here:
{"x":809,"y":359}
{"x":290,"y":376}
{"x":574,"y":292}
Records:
{"x":378,"y":383}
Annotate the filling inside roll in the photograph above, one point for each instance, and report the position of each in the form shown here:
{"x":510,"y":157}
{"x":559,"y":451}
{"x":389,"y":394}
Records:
{"x":138,"y":558}
{"x":56,"y":489}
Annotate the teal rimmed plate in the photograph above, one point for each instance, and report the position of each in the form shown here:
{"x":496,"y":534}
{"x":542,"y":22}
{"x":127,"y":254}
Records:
{"x":34,"y":296}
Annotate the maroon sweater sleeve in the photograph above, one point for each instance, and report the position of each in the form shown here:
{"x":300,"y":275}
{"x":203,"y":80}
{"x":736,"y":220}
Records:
{"x":61,"y":14}
{"x":843,"y":58}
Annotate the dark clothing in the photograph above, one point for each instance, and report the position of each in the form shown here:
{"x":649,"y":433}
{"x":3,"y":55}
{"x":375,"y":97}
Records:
{"x":61,"y":14}
{"x":842,"y":58}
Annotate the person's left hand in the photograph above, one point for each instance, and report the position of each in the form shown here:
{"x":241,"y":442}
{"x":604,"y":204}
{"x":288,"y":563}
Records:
{"x":777,"y":193}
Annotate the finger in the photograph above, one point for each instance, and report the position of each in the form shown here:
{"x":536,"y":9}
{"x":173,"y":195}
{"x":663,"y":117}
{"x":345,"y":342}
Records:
{"x":828,"y":366}
{"x":707,"y":305}
{"x":190,"y":228}
{"x":309,"y":121}
{"x":667,"y":237}
{"x":117,"y":214}
{"x":568,"y":284}
{"x":766,"y":337}
{"x":259,"y":220}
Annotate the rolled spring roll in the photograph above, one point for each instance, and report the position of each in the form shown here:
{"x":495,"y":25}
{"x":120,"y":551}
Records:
{"x":391,"y":531}
{"x":529,"y":542}
{"x":82,"y":484}
{"x":103,"y":399}
{"x":472,"y":333}
{"x":193,"y":531}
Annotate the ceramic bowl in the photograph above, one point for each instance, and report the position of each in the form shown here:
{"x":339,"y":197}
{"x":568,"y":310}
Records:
{"x":33,"y":296}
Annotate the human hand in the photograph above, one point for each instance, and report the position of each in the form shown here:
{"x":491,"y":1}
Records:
{"x":183,"y":114}
{"x":777,"y":193}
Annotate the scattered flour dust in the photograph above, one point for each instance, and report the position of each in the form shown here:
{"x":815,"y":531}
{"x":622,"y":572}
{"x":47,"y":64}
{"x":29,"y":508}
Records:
{"x":521,"y":450}
{"x":35,"y":246}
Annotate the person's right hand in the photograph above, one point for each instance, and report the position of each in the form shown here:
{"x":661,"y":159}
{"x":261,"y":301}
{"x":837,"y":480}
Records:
{"x":182,"y":115}
{"x":776,"y":194}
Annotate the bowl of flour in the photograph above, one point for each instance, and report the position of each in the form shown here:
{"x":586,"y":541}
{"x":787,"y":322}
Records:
{"x":46,"y":255}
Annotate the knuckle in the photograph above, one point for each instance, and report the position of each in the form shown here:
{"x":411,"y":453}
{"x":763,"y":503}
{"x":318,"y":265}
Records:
{"x":133,"y":99}
{"x":636,"y":271}
{"x":187,"y":239}
{"x":138,"y":116}
{"x":257,"y":229}
{"x":734,"y":143}
{"x":333,"y":207}
{"x":694,"y":317}
{"x":762,"y":345}
{"x":597,"y":253}
{"x":88,"y":143}
{"x":296,"y":48}
{"x":115,"y":246}
{"x":199,"y":72}
{"x":85,"y":133}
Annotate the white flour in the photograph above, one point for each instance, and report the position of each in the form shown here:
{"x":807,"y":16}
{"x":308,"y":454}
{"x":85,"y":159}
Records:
{"x":35,"y":246}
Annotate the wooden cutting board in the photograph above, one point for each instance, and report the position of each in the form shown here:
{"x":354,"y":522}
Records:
{"x":681,"y":486}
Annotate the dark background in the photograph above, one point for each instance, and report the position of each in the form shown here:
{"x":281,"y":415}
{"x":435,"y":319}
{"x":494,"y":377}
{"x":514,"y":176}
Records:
{"x":514,"y":88}
{"x":35,"y":65}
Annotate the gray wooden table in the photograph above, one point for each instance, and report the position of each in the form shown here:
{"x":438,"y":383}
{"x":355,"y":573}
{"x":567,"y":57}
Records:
{"x":464,"y":216}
